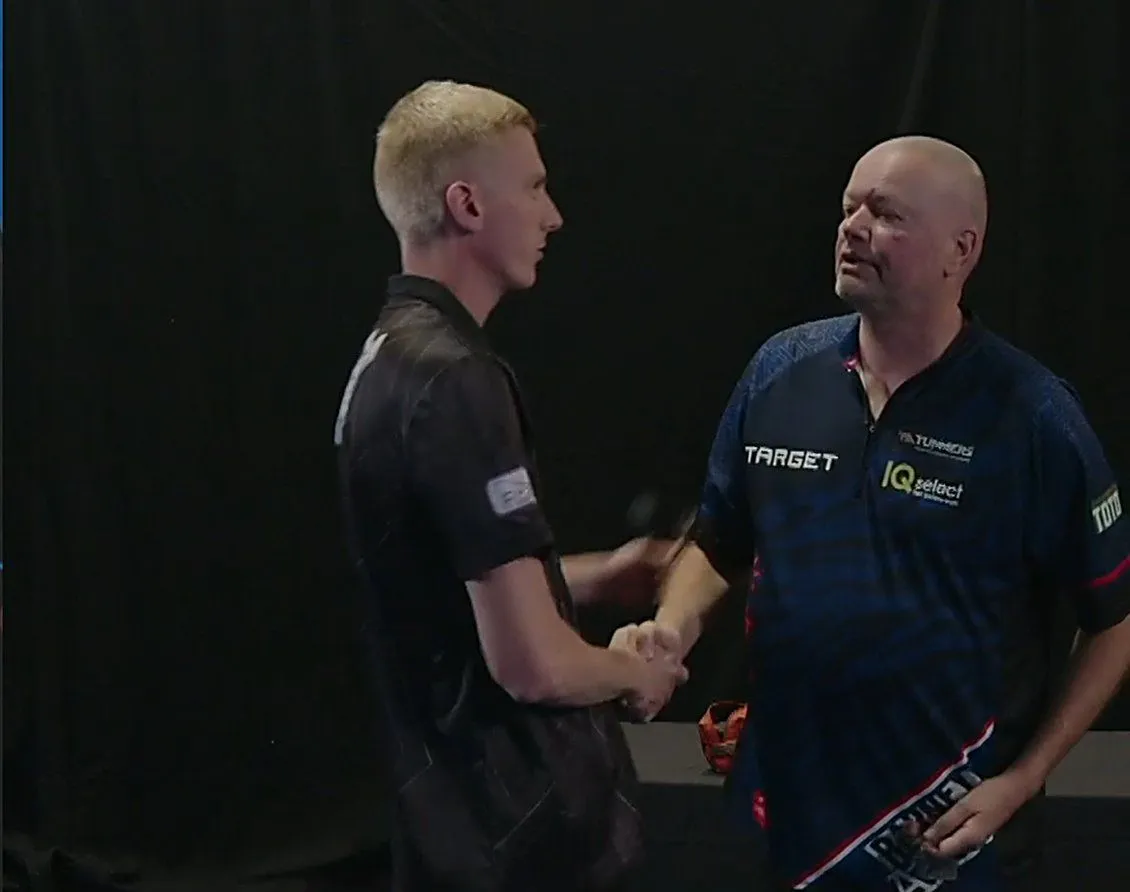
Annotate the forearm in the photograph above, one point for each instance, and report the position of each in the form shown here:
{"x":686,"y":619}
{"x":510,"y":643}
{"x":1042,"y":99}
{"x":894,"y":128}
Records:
{"x":1098,"y":668}
{"x":533,"y":653}
{"x":583,"y":675}
{"x":584,"y":573}
{"x":692,"y":589}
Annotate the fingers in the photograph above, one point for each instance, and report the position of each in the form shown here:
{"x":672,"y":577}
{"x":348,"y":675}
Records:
{"x":678,"y":671}
{"x":634,"y":640}
{"x":949,"y":822}
{"x":626,"y":638}
{"x":666,"y":639}
{"x":968,"y":836}
{"x":956,"y":832}
{"x":645,"y":710}
{"x":666,"y":674}
{"x":647,"y":640}
{"x":660,"y":639}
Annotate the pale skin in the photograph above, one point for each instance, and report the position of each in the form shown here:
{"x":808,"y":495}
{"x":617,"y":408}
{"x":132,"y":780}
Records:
{"x":499,"y":217}
{"x":598,"y":576}
{"x":915,"y":214}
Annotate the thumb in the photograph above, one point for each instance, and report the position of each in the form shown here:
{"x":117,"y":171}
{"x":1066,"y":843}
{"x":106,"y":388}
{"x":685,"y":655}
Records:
{"x":682,"y":673}
{"x":948,"y":823}
{"x":967,"y":837}
{"x":645,"y":643}
{"x":632,"y":552}
{"x":667,"y":638}
{"x":625,"y":638}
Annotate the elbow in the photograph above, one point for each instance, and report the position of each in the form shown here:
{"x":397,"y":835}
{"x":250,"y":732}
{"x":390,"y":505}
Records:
{"x":524,"y":680}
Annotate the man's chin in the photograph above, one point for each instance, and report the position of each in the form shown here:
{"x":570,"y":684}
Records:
{"x":854,"y":296}
{"x":524,"y":283}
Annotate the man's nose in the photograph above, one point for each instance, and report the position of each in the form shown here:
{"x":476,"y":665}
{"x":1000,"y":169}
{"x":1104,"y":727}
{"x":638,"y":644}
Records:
{"x":555,"y":220}
{"x":856,"y":224}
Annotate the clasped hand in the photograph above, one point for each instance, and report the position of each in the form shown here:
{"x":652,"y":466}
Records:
{"x":978,"y":815}
{"x":631,"y":575}
{"x":659,"y":649}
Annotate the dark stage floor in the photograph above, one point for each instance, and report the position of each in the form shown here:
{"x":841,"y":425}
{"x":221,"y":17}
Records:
{"x":691,"y":850}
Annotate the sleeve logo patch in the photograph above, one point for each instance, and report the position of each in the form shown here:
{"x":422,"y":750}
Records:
{"x":1107,"y":510}
{"x":511,"y":492}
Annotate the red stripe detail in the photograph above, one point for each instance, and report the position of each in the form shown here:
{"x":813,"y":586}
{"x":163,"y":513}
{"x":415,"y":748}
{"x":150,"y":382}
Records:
{"x":842,"y":850}
{"x":1113,"y":576}
{"x":760,"y":814}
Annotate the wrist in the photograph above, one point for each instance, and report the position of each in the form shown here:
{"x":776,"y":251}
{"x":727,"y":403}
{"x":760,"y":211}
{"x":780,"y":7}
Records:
{"x":1030,"y":776}
{"x":630,"y":673}
{"x":687,"y":628}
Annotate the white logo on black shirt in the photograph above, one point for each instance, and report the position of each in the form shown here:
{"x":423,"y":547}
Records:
{"x":911,"y":870}
{"x":1107,"y":510}
{"x":511,"y":492}
{"x":793,"y":459}
{"x":934,"y":446}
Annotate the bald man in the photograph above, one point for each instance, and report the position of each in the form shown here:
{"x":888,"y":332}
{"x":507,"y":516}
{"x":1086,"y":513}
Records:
{"x":919,"y":495}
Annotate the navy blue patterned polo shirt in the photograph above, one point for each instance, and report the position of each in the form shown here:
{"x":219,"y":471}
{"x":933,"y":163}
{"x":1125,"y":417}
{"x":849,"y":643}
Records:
{"x":908,"y":572}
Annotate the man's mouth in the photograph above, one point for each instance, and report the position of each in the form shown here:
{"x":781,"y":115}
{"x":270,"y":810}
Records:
{"x":850,"y":261}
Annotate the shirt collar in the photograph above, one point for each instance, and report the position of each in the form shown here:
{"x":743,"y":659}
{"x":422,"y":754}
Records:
{"x":411,"y":287}
{"x":959,"y":346}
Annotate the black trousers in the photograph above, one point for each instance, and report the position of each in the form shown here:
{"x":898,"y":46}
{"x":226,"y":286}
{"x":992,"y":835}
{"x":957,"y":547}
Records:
{"x":408,"y":875}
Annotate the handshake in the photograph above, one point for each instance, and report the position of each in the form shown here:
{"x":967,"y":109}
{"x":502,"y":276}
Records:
{"x":657,"y":650}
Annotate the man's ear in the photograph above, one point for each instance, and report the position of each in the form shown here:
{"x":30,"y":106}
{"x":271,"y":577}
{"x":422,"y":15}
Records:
{"x":463,"y":207}
{"x":967,"y":246}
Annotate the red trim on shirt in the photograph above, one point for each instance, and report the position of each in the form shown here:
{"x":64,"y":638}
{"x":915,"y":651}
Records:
{"x":1113,"y":576}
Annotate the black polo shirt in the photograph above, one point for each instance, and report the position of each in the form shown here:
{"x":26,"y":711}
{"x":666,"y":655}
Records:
{"x":439,"y":487}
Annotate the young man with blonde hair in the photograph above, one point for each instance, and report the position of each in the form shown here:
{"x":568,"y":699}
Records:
{"x":510,"y":766}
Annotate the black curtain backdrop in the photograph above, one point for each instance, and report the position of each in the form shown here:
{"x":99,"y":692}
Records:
{"x":198,"y":255}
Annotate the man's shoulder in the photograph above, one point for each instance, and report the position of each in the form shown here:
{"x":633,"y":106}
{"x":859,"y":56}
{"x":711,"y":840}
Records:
{"x":423,"y":353}
{"x":1048,"y":399}
{"x":795,"y":344}
{"x":417,"y":333}
{"x":409,"y":363}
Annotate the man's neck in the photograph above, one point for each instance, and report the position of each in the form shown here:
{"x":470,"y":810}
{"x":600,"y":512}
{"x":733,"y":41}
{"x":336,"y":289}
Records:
{"x":894,"y":348}
{"x":443,"y":263}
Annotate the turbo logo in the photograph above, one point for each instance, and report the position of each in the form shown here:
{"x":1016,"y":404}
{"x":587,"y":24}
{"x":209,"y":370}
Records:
{"x":934,"y":446}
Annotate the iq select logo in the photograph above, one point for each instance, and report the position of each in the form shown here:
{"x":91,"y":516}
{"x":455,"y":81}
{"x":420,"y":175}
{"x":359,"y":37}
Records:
{"x":902,"y":477}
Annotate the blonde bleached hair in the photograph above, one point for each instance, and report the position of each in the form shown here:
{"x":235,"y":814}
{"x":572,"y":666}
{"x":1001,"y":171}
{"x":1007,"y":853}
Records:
{"x":421,"y":141}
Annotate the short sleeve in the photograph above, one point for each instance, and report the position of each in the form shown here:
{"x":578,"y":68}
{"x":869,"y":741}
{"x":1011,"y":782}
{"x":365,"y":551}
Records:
{"x":470,"y":467}
{"x":723,"y":526}
{"x":1081,"y":541}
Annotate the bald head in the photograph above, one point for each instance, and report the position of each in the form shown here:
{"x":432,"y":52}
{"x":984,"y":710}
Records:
{"x":956,"y":178}
{"x":915,"y":213}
